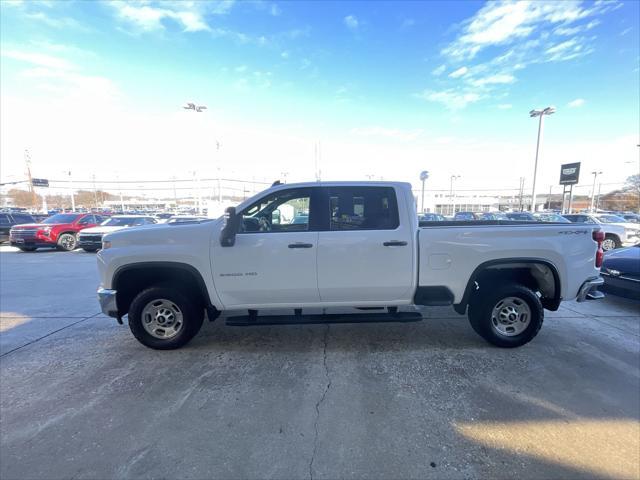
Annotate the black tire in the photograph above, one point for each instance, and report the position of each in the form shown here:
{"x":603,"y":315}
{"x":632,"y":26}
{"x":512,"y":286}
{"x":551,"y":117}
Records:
{"x":27,"y":249}
{"x":481,"y":309}
{"x":90,"y":250}
{"x":610,"y":242}
{"x":192,"y":317}
{"x":67,"y":242}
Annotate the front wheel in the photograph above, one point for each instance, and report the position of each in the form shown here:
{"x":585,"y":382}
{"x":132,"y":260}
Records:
{"x":164,"y":318}
{"x":509,"y":316}
{"x":67,"y":242}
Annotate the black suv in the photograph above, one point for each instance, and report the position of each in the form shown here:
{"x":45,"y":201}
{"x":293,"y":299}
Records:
{"x":9,"y":219}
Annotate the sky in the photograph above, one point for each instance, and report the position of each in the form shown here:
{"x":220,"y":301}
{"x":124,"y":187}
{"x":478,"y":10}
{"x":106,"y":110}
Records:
{"x":379,"y":89}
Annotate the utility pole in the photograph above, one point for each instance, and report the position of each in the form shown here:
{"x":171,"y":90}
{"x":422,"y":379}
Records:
{"x":521,"y":191}
{"x":27,"y":161}
{"x":549,"y":199}
{"x":121,"y":200}
{"x":451,"y":195}
{"x":595,"y":174}
{"x":73,"y":200}
{"x":424,"y":175}
{"x":175,"y":195}
{"x":540,"y":114}
{"x":95,"y":192}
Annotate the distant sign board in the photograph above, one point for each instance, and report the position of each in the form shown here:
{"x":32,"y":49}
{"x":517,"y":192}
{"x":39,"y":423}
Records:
{"x":569,"y":173}
{"x":40,"y":182}
{"x":424,"y":175}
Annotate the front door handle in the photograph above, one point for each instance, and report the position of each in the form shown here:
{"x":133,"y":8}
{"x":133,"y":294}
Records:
{"x":395,"y":243}
{"x":300,"y":245}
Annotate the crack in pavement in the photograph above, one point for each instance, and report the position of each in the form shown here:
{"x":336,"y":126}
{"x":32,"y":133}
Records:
{"x":320,"y":401}
{"x":48,"y":335}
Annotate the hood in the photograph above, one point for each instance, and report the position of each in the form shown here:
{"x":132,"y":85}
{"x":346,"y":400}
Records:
{"x":160,"y":233}
{"x":625,"y":260}
{"x":35,"y":225}
{"x":101,"y":229}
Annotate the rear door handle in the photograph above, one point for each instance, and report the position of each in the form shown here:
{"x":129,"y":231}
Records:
{"x":395,"y":243}
{"x":300,"y":245}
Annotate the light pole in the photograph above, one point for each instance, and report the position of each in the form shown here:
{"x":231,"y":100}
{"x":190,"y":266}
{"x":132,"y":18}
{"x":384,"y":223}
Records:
{"x":73,"y":200}
{"x":541,"y":114}
{"x":593,"y":188}
{"x":423,"y":176}
{"x":453,"y":200}
{"x":196,"y":180}
{"x":121,"y":199}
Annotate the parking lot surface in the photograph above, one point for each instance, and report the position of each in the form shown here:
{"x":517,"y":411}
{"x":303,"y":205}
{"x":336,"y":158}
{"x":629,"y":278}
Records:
{"x":81,"y":398}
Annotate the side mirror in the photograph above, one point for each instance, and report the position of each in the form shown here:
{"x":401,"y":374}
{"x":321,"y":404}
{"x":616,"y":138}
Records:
{"x":230,"y":228}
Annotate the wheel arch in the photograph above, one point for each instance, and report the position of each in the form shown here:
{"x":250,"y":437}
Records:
{"x":130,"y":279}
{"x":537,"y":268}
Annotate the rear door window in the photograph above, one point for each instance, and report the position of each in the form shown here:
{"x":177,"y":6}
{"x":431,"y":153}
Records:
{"x":363,"y":208}
{"x":4,"y":219}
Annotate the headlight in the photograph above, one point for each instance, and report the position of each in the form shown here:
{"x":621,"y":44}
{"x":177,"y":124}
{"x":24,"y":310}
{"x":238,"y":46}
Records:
{"x":45,"y":230}
{"x":106,"y":244}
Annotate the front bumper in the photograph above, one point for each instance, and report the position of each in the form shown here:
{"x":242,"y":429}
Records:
{"x":107,"y":299}
{"x":589,"y":290}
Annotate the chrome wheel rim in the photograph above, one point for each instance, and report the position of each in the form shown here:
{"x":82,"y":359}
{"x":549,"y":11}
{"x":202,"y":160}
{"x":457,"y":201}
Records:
{"x":162,"y":319}
{"x":68,"y":241}
{"x":510,"y":316}
{"x":608,"y":244}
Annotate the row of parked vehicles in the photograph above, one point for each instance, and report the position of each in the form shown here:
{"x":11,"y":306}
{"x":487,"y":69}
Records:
{"x":621,"y":230}
{"x":68,"y":231}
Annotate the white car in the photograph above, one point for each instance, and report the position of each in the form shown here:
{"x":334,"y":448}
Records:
{"x":90,"y":239}
{"x":618,"y":232}
{"x":359,"y":246}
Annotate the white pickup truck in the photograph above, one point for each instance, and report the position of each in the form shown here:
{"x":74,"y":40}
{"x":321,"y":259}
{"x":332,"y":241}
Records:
{"x":344,"y":244}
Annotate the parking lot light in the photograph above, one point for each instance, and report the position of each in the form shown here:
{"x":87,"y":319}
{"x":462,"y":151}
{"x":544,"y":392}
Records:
{"x":540,"y":114}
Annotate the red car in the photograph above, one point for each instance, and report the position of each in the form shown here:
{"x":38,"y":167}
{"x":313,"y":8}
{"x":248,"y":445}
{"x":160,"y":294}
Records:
{"x":58,"y":231}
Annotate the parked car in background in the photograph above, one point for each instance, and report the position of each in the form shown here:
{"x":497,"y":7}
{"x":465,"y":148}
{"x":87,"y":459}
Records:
{"x":90,"y":239}
{"x":631,"y":217}
{"x":492,"y":216}
{"x":8,"y":220}
{"x":550,"y":217}
{"x":163,"y":216}
{"x":621,"y":272}
{"x":431,"y":217}
{"x":521,"y":216}
{"x":617,"y":232}
{"x":465,"y":216}
{"x":59,"y":231}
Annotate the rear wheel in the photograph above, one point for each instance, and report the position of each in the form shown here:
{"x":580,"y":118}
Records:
{"x":509,"y":316}
{"x":67,"y":242}
{"x":27,"y":249}
{"x":610,"y":242}
{"x":164,"y":318}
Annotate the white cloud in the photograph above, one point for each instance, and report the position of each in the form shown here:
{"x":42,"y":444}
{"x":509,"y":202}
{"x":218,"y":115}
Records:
{"x":576,"y":29}
{"x":407,"y":23}
{"x":439,"y":70}
{"x":505,"y":106}
{"x":392,"y":133}
{"x":351,"y":22}
{"x":39,"y":59}
{"x":190,"y":15}
{"x":274,"y":10}
{"x":498,"y":79}
{"x":504,"y":22}
{"x":285,"y":54}
{"x":451,"y":99}
{"x":459,"y":72}
{"x":578,"y":102}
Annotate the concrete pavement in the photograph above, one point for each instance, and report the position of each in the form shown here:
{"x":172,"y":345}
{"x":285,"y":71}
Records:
{"x":81,"y":398}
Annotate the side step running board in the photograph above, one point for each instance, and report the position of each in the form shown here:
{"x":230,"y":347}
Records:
{"x":246,"y":320}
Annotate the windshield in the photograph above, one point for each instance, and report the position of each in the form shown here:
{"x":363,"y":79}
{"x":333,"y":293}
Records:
{"x":122,"y":222}
{"x":61,"y":218}
{"x":611,"y":219}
